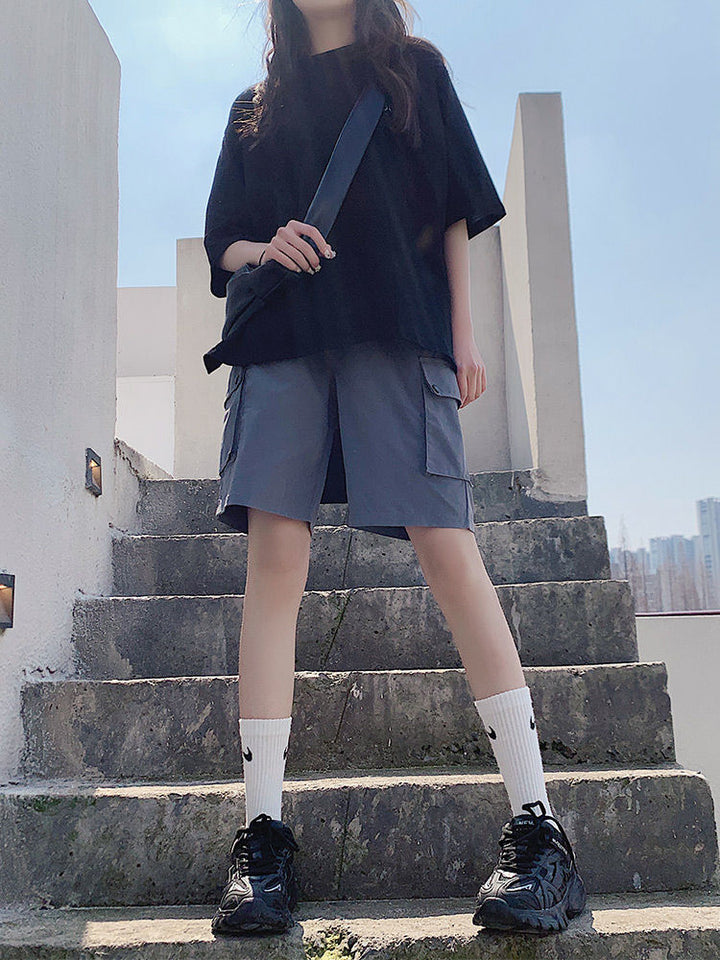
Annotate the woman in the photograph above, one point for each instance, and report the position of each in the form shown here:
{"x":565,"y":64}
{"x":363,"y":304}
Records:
{"x":367,"y":354}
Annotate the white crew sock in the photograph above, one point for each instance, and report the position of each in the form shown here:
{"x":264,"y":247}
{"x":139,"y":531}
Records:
{"x":264,"y":749}
{"x":509,"y":721}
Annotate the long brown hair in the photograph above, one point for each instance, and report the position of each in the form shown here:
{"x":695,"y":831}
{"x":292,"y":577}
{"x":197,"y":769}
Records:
{"x":382,"y":33}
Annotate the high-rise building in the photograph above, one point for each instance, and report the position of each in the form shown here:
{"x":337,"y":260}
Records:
{"x":708,"y":516}
{"x":672,"y":559}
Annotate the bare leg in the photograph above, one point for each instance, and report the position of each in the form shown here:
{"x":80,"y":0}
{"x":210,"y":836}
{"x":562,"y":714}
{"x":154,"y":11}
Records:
{"x":457,"y":578}
{"x":253,"y":899}
{"x":277,"y":570}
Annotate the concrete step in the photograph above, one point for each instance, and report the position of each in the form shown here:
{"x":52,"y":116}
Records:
{"x":374,"y":628}
{"x":616,"y":714}
{"x":389,"y":833}
{"x":169,"y":507}
{"x":516,"y":551}
{"x":683,"y":925}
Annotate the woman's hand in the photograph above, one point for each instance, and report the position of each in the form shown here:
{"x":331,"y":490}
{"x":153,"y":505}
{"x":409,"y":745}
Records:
{"x":289,"y":248}
{"x":471,"y":375}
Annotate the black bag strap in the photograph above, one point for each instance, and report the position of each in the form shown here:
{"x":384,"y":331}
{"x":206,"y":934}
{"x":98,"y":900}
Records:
{"x":345,"y":158}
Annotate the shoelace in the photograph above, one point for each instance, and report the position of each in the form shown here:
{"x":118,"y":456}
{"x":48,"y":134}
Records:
{"x":521,"y":843}
{"x":254,"y":852}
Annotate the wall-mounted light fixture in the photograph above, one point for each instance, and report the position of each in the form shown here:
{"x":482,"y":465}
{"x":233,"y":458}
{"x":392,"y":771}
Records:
{"x":93,"y":472}
{"x":7,"y":599}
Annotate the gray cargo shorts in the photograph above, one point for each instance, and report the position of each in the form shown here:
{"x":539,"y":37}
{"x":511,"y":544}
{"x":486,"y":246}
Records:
{"x":396,"y":407}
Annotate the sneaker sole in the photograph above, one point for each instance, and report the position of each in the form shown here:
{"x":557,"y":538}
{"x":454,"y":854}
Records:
{"x":496,"y":914}
{"x":248,"y":919}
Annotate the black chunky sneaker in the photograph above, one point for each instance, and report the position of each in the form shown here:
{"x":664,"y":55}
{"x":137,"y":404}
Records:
{"x":261,"y":889}
{"x":535,"y":886}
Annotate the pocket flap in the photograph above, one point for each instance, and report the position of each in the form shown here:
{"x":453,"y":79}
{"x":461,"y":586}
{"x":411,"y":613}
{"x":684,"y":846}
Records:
{"x":234,"y":380}
{"x":440,"y":377}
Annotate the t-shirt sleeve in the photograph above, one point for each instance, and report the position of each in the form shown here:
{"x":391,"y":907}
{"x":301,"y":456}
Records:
{"x":471,"y":192}
{"x":227,"y":216}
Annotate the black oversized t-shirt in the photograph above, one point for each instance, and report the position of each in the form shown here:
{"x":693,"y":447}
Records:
{"x":388,"y":280}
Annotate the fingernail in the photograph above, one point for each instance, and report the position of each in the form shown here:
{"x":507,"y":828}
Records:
{"x":317,"y":268}
{"x":329,"y":253}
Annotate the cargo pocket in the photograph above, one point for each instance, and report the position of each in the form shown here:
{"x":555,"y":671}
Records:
{"x":228,"y":447}
{"x":444,"y":449}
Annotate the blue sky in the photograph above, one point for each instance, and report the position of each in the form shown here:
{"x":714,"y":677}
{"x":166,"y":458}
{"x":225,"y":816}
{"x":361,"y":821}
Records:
{"x":639,"y":86}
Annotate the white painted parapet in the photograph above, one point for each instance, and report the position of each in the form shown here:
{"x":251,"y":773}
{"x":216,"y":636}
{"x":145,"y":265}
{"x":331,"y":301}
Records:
{"x":544,"y":406}
{"x":689,"y":645}
{"x":59,"y":90}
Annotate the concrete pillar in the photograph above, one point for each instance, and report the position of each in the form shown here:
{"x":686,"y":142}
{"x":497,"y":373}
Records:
{"x":59,"y":89}
{"x":544,"y":406}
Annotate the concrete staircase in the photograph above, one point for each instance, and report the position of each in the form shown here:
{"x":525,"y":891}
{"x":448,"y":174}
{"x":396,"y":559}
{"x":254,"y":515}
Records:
{"x":132,"y":793}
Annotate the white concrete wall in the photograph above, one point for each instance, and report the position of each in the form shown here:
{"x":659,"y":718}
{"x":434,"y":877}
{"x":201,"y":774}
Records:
{"x":146,"y":417}
{"x":146,"y":341}
{"x":198,"y":395}
{"x":690,"y":647}
{"x":485,"y":421}
{"x":59,"y":96}
{"x":147,"y":325}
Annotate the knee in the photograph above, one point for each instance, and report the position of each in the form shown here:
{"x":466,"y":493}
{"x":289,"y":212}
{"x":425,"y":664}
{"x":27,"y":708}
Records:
{"x":449,"y":556}
{"x":278,"y":546}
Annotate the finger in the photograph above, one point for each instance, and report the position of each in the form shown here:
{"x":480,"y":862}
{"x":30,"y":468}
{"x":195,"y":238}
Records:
{"x":312,"y":231}
{"x":477,"y":379}
{"x":462,"y":380}
{"x":470,"y":396}
{"x":285,"y":242}
{"x":307,"y":249}
{"x":273,"y":253}
{"x":483,"y":381}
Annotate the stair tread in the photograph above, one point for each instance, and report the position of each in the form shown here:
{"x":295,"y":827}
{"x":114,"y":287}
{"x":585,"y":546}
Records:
{"x":327,"y":779}
{"x":622,"y":665}
{"x":584,"y":520}
{"x":381,"y":924}
{"x":89,"y":598}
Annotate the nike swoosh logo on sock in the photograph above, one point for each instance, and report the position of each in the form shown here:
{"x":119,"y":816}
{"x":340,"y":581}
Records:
{"x":491,"y":733}
{"x":248,"y":755}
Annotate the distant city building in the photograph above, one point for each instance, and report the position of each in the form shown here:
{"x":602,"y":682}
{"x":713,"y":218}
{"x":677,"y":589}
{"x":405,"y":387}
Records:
{"x":675,"y":573}
{"x":673,"y":561}
{"x":708,"y":517}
